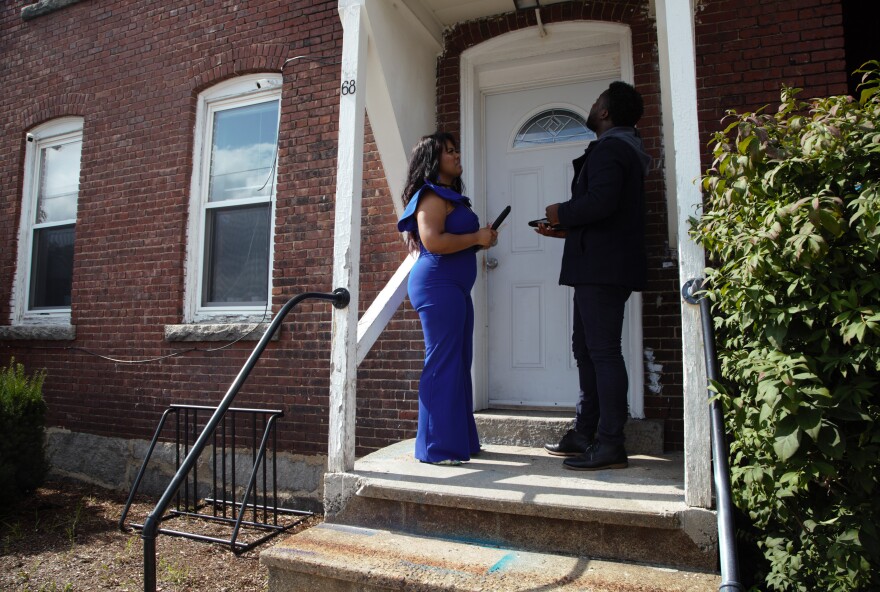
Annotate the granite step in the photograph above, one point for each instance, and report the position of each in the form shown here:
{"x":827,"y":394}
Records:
{"x":522,"y":498}
{"x":341,"y":558}
{"x":534,"y":428}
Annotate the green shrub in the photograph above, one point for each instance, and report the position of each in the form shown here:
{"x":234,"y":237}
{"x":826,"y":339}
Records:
{"x":792,"y":227}
{"x":23,"y":463}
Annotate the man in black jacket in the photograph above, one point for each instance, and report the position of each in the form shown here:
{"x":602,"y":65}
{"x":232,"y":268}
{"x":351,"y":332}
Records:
{"x":604,"y":259}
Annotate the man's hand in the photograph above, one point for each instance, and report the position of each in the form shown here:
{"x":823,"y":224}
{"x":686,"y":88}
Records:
{"x":546,"y":230}
{"x":552,"y":213}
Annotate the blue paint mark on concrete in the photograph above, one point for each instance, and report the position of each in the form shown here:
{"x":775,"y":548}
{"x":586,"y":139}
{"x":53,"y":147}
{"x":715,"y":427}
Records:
{"x":292,"y":551}
{"x":432,"y":568}
{"x":348,"y":529}
{"x":502,"y":563}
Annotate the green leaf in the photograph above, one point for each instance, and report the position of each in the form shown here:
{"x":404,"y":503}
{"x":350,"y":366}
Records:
{"x":850,"y":536}
{"x":827,"y":220}
{"x":768,"y":391}
{"x":766,"y":412}
{"x":810,"y":421}
{"x":824,"y":469}
{"x":776,"y":335}
{"x":743,"y":145}
{"x":830,"y":442}
{"x":787,"y":439}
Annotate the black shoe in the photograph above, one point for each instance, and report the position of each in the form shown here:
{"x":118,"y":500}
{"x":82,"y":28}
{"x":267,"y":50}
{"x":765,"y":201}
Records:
{"x":600,"y":456}
{"x":572,"y":444}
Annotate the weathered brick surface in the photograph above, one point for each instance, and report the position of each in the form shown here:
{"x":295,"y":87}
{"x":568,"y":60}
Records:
{"x":746,"y":50}
{"x":133,"y":70}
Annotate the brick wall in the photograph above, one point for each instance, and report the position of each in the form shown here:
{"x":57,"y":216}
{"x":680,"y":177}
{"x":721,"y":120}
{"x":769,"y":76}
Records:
{"x":746,"y":51}
{"x":133,"y":69}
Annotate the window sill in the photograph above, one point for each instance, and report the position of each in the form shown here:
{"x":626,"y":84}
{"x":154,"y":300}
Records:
{"x":42,"y":7}
{"x":218,"y":332}
{"x":38,"y":332}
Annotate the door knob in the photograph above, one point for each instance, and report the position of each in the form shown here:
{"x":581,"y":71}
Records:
{"x":491,"y":262}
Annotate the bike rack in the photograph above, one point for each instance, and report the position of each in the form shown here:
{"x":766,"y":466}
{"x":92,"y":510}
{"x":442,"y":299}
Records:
{"x":222,"y":506}
{"x":340,"y":298}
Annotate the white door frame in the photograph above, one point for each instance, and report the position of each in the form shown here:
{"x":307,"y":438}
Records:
{"x":570,"y":52}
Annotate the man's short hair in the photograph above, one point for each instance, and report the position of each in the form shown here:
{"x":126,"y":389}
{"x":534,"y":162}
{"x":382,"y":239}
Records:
{"x":624,"y":104}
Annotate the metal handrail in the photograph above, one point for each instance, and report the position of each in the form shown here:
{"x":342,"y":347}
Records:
{"x":720,"y":467}
{"x":340,"y":298}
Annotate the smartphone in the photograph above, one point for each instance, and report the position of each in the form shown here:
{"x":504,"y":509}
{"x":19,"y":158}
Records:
{"x":535,"y":223}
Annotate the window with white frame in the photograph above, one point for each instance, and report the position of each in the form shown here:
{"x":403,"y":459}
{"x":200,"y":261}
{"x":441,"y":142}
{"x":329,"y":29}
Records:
{"x":44,"y":275}
{"x":553,"y":126}
{"x":232,"y":202}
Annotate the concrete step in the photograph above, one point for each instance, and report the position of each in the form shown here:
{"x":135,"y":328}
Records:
{"x":523,"y":498}
{"x":534,"y":428}
{"x":339,"y":558}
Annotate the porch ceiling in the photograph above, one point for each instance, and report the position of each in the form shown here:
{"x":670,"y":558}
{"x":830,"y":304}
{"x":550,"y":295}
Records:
{"x":436,"y":15}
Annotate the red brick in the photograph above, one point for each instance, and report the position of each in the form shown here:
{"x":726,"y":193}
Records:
{"x":137,"y":89}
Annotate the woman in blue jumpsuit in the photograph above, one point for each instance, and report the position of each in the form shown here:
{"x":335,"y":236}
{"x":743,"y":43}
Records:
{"x":447,"y":234}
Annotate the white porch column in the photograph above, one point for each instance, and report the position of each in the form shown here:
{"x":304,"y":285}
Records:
{"x":678,"y":90}
{"x":347,"y":237}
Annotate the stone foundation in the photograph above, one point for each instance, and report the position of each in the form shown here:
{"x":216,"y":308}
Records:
{"x":113,"y":463}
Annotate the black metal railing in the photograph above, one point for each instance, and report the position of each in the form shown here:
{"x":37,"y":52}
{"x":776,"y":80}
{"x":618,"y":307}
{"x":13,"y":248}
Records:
{"x":340,"y":299}
{"x":720,"y":466}
{"x":248,"y":430}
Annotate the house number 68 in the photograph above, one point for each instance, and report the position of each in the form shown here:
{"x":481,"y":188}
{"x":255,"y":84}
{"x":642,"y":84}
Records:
{"x":348,"y":87}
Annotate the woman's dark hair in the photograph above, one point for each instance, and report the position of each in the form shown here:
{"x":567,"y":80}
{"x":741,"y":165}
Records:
{"x":424,"y":164}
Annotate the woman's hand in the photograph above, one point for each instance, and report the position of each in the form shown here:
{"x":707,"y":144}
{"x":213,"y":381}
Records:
{"x":486,"y":237}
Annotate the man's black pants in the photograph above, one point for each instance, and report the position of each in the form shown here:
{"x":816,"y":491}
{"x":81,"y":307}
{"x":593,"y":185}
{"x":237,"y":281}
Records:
{"x":596,"y":343}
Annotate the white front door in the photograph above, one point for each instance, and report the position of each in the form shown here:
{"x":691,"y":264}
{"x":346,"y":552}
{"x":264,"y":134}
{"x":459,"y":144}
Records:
{"x":529,"y":313}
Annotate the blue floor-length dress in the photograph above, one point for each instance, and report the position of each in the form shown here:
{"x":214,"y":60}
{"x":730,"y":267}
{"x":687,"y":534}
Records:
{"x":440,"y":290}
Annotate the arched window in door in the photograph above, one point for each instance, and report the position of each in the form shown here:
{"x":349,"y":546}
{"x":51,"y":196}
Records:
{"x":553,"y":126}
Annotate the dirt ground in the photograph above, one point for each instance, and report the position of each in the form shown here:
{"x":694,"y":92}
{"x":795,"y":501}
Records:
{"x":66,"y":538}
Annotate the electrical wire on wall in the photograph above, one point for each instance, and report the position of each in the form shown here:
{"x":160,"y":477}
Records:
{"x":324,"y":60}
